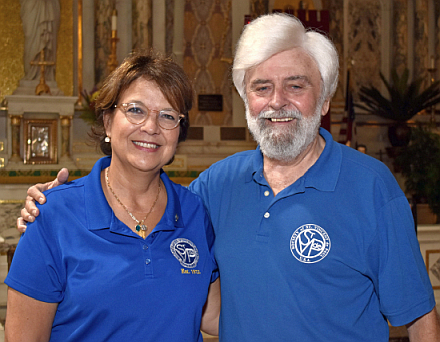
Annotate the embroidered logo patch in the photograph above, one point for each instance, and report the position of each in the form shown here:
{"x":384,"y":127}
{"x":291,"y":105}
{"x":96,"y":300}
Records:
{"x":310,"y":243}
{"x":185,"y":251}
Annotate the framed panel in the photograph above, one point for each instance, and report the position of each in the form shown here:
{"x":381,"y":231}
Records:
{"x":40,"y":141}
{"x":432,"y":261}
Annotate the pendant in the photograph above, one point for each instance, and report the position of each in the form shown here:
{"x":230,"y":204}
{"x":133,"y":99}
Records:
{"x":141,"y":227}
{"x":143,"y":234}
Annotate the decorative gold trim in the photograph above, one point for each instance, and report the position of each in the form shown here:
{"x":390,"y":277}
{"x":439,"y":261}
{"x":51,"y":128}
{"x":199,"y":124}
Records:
{"x":2,"y":162}
{"x":49,"y":127}
{"x":80,"y":54}
{"x":428,"y":253}
{"x":12,"y":201}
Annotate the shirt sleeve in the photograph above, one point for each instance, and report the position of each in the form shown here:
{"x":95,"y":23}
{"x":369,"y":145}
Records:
{"x":402,"y":284}
{"x":210,"y":240}
{"x":199,"y":186}
{"x":36,"y":267}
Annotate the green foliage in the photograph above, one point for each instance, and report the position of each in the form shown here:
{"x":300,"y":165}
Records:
{"x":420,"y":165}
{"x":405,"y":98}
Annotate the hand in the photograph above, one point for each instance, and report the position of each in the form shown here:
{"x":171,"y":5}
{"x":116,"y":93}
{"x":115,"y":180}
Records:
{"x":35,"y":193}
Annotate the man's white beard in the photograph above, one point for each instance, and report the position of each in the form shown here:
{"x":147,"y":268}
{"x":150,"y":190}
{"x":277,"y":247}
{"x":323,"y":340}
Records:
{"x":283,"y":143}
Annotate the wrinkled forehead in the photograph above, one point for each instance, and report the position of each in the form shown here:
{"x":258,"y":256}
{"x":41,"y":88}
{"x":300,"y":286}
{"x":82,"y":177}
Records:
{"x":290,"y":64}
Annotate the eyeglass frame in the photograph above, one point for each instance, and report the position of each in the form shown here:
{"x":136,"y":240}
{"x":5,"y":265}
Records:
{"x":123,"y":109}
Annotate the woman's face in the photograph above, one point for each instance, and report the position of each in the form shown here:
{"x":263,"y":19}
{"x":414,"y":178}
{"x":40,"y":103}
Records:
{"x":146,"y":146}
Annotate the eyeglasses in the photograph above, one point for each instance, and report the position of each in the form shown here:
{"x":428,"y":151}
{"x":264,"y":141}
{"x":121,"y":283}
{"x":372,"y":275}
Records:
{"x":137,"y":113}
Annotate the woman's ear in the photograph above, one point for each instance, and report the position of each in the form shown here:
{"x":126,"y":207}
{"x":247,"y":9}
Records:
{"x":107,"y":119}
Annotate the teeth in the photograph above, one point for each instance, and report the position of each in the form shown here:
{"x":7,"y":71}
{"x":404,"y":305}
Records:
{"x":146,"y":145}
{"x":281,"y":120}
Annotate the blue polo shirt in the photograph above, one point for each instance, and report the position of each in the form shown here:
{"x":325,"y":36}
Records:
{"x":329,"y":258}
{"x":109,"y":283}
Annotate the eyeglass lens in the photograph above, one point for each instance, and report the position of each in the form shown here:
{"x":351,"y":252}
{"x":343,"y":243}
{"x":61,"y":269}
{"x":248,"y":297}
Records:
{"x":137,"y":113}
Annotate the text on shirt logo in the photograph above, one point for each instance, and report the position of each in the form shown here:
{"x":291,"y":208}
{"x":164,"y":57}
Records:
{"x":310,"y":243}
{"x":185,"y":251}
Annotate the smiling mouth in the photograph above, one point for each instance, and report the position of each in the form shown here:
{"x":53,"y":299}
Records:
{"x":145,"y":145}
{"x":281,"y":119}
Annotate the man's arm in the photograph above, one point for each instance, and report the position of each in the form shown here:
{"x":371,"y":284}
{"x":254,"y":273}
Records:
{"x":425,"y":328}
{"x":27,"y":319}
{"x":35,"y":193}
{"x":211,"y":310}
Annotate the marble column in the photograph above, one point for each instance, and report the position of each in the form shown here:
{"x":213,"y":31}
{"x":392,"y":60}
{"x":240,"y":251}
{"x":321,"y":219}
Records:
{"x":15,"y":137}
{"x":66,"y":122}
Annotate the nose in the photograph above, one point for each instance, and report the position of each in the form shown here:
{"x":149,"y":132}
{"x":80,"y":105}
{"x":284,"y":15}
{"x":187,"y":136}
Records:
{"x":150,"y":125}
{"x":278,"y":99}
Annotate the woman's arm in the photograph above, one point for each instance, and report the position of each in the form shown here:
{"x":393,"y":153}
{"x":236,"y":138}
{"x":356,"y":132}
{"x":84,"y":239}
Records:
{"x":211,"y":310}
{"x":27,"y":319}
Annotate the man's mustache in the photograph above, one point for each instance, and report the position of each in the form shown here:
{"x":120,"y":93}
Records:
{"x":280,"y":114}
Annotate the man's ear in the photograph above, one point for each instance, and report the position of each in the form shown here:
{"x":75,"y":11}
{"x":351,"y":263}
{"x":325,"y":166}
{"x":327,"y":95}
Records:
{"x":325,"y":107}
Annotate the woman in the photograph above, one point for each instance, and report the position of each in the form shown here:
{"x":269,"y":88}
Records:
{"x":123,"y":254}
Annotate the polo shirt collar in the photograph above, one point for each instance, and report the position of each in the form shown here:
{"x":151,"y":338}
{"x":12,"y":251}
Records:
{"x":172,"y":218}
{"x":99,"y":213}
{"x":323,"y":175}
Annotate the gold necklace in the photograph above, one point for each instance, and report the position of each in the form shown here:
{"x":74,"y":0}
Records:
{"x":141,"y":228}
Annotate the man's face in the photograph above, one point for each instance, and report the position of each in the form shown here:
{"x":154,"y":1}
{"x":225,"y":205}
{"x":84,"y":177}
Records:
{"x":284,"y":105}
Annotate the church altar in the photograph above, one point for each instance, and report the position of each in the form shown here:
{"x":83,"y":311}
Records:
{"x":43,"y":117}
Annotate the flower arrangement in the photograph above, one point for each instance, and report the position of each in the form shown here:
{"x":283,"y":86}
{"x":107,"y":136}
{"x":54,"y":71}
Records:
{"x":88,"y":109}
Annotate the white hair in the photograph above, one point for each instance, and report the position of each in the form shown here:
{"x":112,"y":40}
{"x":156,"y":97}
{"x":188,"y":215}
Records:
{"x":274,"y":33}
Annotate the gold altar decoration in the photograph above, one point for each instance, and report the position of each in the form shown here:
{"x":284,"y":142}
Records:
{"x":15,"y":140}
{"x":42,"y":87}
{"x":432,"y":70}
{"x":64,"y":72}
{"x":12,"y":43}
{"x":66,"y":122}
{"x":80,"y":55}
{"x":40,"y":141}
{"x":113,"y":62}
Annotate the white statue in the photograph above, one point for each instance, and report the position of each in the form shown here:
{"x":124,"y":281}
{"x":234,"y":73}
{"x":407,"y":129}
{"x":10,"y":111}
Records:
{"x":41,"y":21}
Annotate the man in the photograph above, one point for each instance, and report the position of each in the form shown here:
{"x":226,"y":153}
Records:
{"x":314,"y":240}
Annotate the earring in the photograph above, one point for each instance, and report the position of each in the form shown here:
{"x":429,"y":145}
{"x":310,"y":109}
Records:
{"x":107,"y":139}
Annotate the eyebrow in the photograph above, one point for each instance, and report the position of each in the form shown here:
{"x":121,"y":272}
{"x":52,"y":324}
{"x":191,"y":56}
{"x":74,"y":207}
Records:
{"x":298,"y":77}
{"x":260,"y":81}
{"x":290,"y":78}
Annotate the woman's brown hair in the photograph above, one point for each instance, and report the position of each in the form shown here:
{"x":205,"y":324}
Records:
{"x":152,"y":66}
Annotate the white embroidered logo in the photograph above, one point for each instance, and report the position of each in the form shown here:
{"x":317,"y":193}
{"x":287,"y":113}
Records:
{"x":185,"y":251}
{"x":310,"y":243}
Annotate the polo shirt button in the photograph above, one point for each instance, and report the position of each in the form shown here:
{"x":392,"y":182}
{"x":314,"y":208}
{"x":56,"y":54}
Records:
{"x":144,"y":247}
{"x":266,"y":215}
{"x":266,"y":193}
{"x":147,"y":261}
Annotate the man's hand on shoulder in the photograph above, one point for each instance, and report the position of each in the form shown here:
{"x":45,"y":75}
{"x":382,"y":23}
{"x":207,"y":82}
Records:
{"x":35,"y":193}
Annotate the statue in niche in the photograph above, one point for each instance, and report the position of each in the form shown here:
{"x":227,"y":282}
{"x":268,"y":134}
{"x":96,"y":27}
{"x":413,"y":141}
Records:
{"x":41,"y":21}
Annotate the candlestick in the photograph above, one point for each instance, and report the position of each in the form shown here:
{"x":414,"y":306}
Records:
{"x":432,"y":70}
{"x":112,"y":62}
{"x":114,"y":20}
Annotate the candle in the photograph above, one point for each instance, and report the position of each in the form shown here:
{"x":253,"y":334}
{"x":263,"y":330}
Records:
{"x":432,"y":62}
{"x":114,"y":20}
